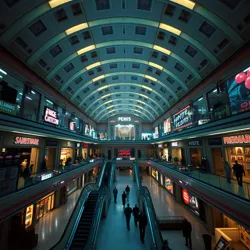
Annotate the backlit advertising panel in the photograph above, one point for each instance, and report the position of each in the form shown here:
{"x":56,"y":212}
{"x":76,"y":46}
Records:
{"x":183,"y":118}
{"x":191,"y":201}
{"x":167,"y":126}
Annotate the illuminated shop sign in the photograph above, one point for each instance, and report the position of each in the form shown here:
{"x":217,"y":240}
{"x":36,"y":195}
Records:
{"x":7,"y":108}
{"x":46,"y":176}
{"x":136,"y":121}
{"x":26,"y":141}
{"x":124,"y":119}
{"x":183,"y":118}
{"x":195,"y":143}
{"x":175,"y":144}
{"x":159,"y":145}
{"x":124,"y":152}
{"x":51,"y":116}
{"x":112,"y":121}
{"x":167,"y":126}
{"x":237,"y":139}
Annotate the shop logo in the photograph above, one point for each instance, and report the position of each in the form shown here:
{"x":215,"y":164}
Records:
{"x":175,"y":144}
{"x":69,"y":144}
{"x":46,"y":176}
{"x":51,"y":116}
{"x":124,"y":119}
{"x":26,"y":141}
{"x":185,"y":196}
{"x":243,"y":77}
{"x":237,"y":139}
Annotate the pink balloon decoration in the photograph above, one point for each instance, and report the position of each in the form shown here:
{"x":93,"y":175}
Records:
{"x":241,"y":77}
{"x":247,"y":83}
{"x":248,"y":73}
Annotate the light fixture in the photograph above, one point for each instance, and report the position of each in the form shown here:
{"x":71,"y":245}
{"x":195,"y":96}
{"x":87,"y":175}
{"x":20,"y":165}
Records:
{"x":103,"y":87}
{"x":141,"y":101}
{"x":28,"y":98}
{"x":200,"y":99}
{"x":86,"y":49}
{"x":20,"y":93}
{"x":155,"y":65}
{"x":98,"y":78}
{"x":107,"y":102}
{"x":76,"y":28}
{"x":170,"y":29}
{"x":33,"y":92}
{"x":93,"y":65}
{"x":2,"y":71}
{"x":55,"y":3}
{"x":144,"y":96}
{"x":105,"y":96}
{"x":186,"y":3}
{"x":214,"y":91}
{"x":146,"y":87}
{"x":165,"y":51}
{"x":110,"y":107}
{"x":150,"y":78}
{"x":49,"y":101}
{"x":1,"y":76}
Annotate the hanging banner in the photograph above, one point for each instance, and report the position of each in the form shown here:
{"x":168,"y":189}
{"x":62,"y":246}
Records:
{"x":183,"y":118}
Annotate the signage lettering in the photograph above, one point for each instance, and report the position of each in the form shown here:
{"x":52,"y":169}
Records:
{"x":159,"y":145}
{"x":237,"y":139}
{"x":46,"y":176}
{"x":26,"y":141}
{"x":194,"y":143}
{"x":183,"y":118}
{"x":8,"y":108}
{"x":124,"y":119}
{"x":51,"y":116}
{"x":175,"y":144}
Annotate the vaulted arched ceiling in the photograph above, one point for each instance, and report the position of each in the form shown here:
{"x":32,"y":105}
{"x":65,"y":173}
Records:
{"x":114,"y":57}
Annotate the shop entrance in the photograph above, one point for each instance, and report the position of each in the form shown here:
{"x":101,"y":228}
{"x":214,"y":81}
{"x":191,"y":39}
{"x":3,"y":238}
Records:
{"x":66,"y":156}
{"x":44,"y":206}
{"x":217,"y":161}
{"x":50,"y":157}
{"x":196,"y":156}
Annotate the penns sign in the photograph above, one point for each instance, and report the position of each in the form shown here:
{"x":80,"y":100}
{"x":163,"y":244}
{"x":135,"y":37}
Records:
{"x":124,"y":119}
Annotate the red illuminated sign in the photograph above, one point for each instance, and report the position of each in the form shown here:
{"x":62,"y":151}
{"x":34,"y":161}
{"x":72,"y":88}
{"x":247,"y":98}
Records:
{"x":112,"y":121}
{"x":237,"y":139}
{"x":185,"y":196}
{"x":124,"y":153}
{"x":136,"y":121}
{"x":85,"y":145}
{"x":26,"y":141}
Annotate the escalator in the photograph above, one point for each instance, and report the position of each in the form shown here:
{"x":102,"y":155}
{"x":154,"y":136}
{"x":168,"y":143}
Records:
{"x":82,"y":232}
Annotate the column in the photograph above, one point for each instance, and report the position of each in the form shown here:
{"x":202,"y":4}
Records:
{"x":159,"y":178}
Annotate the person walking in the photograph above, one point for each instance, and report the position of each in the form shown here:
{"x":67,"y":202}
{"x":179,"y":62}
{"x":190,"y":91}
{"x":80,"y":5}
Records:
{"x":187,"y":229}
{"x":165,"y":245}
{"x":127,"y":189}
{"x":115,"y":192}
{"x":136,"y":212}
{"x":27,"y":175}
{"x":227,"y":170}
{"x":124,"y":196}
{"x":238,"y":172}
{"x":128,"y":211}
{"x":143,"y":221}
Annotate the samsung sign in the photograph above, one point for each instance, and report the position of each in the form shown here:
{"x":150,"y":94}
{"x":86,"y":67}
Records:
{"x":124,"y":119}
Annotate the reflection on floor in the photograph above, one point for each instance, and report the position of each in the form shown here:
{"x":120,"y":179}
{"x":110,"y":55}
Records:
{"x":113,"y":233}
{"x":51,"y":226}
{"x":165,"y":205}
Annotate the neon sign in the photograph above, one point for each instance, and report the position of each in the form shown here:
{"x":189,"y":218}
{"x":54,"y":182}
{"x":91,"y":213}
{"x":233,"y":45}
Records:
{"x":237,"y":139}
{"x":124,"y":119}
{"x":26,"y":141}
{"x":51,"y":116}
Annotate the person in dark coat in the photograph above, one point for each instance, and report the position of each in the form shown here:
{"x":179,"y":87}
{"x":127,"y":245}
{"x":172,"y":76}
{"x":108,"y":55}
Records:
{"x":238,"y":171}
{"x":187,"y":229}
{"x":128,"y":211}
{"x":124,"y":196}
{"x":27,"y":175}
{"x":136,"y":212}
{"x":115,"y":192}
{"x":143,"y":221}
{"x":165,"y":245}
{"x":127,"y":189}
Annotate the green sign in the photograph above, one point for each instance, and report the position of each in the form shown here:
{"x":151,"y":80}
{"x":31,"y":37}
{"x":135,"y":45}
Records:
{"x":8,"y":108}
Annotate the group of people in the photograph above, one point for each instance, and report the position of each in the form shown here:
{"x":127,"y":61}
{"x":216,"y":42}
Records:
{"x":238,"y":171}
{"x":140,"y":217}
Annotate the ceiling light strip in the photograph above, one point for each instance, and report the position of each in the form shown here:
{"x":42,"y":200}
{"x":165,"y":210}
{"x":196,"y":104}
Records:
{"x":170,"y":29}
{"x":76,"y":28}
{"x":155,"y":65}
{"x":56,"y":3}
{"x":186,"y":3}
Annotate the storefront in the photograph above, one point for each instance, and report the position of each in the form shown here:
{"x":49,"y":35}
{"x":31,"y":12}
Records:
{"x":45,"y":205}
{"x":237,"y":148}
{"x":165,"y":151}
{"x":194,"y":204}
{"x":67,"y":153}
{"x":29,"y":216}
{"x":155,"y":174}
{"x":195,"y":151}
{"x":84,"y":150}
{"x":177,"y":152}
{"x":51,"y":153}
{"x":18,"y":152}
{"x":72,"y":186}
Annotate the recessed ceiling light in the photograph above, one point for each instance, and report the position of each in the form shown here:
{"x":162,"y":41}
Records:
{"x":86,"y":49}
{"x":98,"y":78}
{"x":33,"y":92}
{"x":76,"y":28}
{"x":146,"y":87}
{"x":165,"y":51}
{"x":150,"y":78}
{"x":170,"y":29}
{"x":55,"y":3}
{"x":2,"y":71}
{"x":155,"y":65}
{"x":29,"y":98}
{"x":186,"y":3}
{"x":93,"y":65}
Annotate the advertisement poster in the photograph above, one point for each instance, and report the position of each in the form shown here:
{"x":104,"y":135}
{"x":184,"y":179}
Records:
{"x":156,"y":134}
{"x":221,"y":244}
{"x":169,"y":185}
{"x":239,"y":94}
{"x":167,"y":126}
{"x":51,"y":116}
{"x":191,"y":201}
{"x":86,"y":131}
{"x":183,"y":118}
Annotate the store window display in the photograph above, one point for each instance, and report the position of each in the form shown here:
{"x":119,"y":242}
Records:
{"x":44,"y":206}
{"x":155,"y":174}
{"x":66,"y":156}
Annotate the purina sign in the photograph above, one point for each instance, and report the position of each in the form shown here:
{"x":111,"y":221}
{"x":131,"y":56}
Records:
{"x":124,"y":119}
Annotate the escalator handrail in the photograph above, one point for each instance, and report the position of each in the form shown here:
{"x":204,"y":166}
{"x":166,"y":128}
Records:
{"x":82,"y":199}
{"x":97,"y":218}
{"x":153,"y":222}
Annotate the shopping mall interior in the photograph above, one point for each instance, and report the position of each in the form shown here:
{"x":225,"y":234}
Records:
{"x":98,"y":95}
